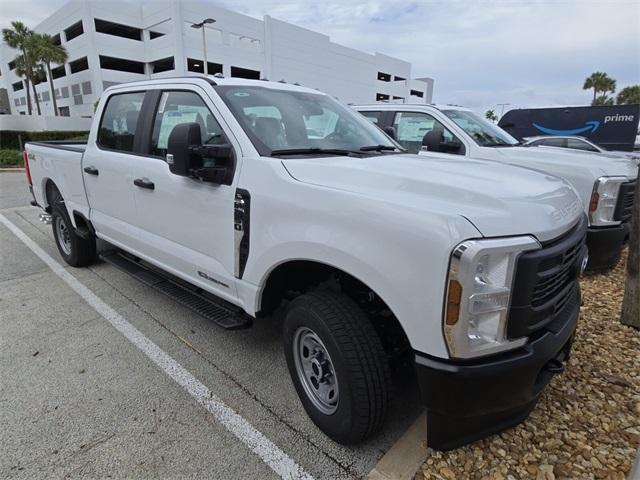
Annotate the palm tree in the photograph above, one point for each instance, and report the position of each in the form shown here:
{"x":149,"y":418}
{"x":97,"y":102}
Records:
{"x":600,"y":82}
{"x":491,"y":116}
{"x":47,"y":52}
{"x":17,"y":37}
{"x":629,"y":95}
{"x":31,"y":73}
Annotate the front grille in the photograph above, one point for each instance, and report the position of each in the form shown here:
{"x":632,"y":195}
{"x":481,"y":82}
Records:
{"x":546,"y":282}
{"x":625,"y":202}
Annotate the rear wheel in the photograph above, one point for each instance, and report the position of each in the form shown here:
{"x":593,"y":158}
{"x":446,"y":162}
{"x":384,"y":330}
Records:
{"x":337,"y":365}
{"x":75,"y":250}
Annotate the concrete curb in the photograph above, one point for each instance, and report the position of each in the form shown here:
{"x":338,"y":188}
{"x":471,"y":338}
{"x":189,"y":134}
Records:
{"x":10,"y":169}
{"x":634,"y":474}
{"x":406,"y":456}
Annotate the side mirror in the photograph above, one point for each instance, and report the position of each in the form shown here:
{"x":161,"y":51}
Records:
{"x":180,"y":145}
{"x":389,"y":130}
{"x":432,"y":140}
{"x":187,"y":156}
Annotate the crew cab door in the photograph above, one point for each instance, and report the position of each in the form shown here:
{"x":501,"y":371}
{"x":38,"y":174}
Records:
{"x":188,"y":224}
{"x":107,"y":168}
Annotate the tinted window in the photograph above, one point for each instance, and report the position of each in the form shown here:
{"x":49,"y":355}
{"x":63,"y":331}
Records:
{"x":580,"y":145}
{"x":411,"y":127}
{"x":555,"y":142}
{"x":119,"y":121}
{"x":373,"y":117}
{"x":176,"y":108}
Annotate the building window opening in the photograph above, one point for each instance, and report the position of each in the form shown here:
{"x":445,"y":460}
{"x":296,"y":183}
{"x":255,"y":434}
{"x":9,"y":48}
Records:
{"x":417,"y":93}
{"x":194,"y":65}
{"x":118,"y":29}
{"x":79,"y":65}
{"x":55,"y":39}
{"x":396,"y":78}
{"x":163,"y":65}
{"x":245,"y":73}
{"x":74,"y":31}
{"x":58,"y":72}
{"x":121,"y":64}
{"x":153,"y":34}
{"x":17,"y":86}
{"x":382,"y":97}
{"x":12,"y":65}
{"x":384,"y":77}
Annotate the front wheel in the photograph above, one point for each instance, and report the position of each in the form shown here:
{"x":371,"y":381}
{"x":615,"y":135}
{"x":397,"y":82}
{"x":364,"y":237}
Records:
{"x":337,"y":365}
{"x":75,"y":250}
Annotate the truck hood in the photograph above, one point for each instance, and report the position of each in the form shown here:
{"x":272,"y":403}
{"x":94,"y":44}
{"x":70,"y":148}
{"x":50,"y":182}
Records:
{"x":552,"y":159}
{"x":498,"y":199}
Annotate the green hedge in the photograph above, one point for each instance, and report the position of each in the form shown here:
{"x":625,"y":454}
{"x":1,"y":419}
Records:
{"x":9,"y":138}
{"x":10,"y":158}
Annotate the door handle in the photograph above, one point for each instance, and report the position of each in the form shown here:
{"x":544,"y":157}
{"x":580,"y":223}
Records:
{"x":144,"y":183}
{"x":91,"y":170}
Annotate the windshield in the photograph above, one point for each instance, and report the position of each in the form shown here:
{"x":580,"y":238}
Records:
{"x":485,"y":133}
{"x":278,"y":121}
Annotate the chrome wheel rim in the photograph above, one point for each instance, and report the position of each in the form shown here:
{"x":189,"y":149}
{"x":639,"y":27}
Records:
{"x":315,"y":370}
{"x":63,"y":234}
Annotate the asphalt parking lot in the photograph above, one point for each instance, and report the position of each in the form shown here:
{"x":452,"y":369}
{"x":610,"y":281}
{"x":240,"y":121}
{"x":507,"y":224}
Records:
{"x":82,"y":398}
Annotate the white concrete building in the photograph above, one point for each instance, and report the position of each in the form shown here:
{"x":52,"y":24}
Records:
{"x":113,"y":42}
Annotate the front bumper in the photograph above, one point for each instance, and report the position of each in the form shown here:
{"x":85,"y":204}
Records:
{"x":469,"y":400}
{"x":605,"y":246}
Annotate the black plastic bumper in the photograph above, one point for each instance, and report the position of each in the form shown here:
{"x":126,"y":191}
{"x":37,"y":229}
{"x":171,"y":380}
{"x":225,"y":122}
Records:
{"x":605,"y":246}
{"x":468,"y":401}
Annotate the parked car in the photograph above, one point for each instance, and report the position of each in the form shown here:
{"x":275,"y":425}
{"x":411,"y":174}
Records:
{"x":576,"y":143}
{"x":237,"y":196}
{"x":605,"y":183}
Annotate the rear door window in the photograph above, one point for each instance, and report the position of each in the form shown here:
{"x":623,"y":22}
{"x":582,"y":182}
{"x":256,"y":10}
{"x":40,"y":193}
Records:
{"x":119,"y":121}
{"x":555,"y":142}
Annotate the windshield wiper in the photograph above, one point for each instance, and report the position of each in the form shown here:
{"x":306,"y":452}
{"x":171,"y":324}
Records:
{"x":313,"y":151}
{"x":379,"y":148}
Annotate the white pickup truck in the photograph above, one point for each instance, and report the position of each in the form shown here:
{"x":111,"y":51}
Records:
{"x":237,"y":196}
{"x":605,"y":183}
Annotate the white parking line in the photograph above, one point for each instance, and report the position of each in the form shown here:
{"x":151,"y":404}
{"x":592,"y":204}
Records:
{"x":270,"y":454}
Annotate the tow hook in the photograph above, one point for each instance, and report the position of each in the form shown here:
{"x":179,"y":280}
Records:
{"x":554,"y":366}
{"x":45,"y":218}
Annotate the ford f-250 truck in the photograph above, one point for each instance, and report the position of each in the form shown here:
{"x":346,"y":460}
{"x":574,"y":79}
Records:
{"x":605,"y":184}
{"x":237,"y":196}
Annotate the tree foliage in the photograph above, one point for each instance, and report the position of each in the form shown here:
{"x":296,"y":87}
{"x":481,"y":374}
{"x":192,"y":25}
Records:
{"x":601,"y":84}
{"x":629,"y":95}
{"x":491,"y":116}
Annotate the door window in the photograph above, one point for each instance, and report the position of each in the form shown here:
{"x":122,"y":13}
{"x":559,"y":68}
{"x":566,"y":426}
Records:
{"x":180,"y":107}
{"x":411,"y":127}
{"x":578,"y":144}
{"x":373,"y":117}
{"x":555,"y":142}
{"x":119,"y":120}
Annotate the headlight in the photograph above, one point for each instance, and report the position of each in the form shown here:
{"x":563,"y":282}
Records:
{"x":479,"y":294}
{"x":603,"y":201}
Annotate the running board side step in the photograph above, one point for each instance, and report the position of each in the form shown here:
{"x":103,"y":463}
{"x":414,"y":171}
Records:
{"x":203,"y":303}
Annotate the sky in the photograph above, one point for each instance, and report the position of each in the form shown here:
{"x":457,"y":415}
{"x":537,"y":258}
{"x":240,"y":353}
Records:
{"x":481,"y":53}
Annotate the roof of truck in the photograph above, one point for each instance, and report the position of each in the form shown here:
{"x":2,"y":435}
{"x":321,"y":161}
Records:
{"x":395,"y":106}
{"x":217,"y":80}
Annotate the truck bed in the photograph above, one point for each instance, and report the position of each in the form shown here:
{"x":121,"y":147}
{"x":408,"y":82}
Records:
{"x":58,"y":161}
{"x":73,"y":145}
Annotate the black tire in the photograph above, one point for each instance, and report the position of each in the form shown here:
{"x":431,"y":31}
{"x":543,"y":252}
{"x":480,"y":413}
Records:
{"x":81,"y":251}
{"x":356,"y":355}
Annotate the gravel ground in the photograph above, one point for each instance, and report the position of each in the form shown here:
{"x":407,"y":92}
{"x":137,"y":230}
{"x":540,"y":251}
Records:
{"x":587,"y":422}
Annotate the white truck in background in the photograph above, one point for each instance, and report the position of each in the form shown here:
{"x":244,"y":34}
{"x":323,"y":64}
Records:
{"x":606,"y":184}
{"x":235,"y":196}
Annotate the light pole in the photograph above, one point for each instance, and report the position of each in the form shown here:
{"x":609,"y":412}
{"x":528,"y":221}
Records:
{"x":502,"y":109}
{"x":204,"y":40}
